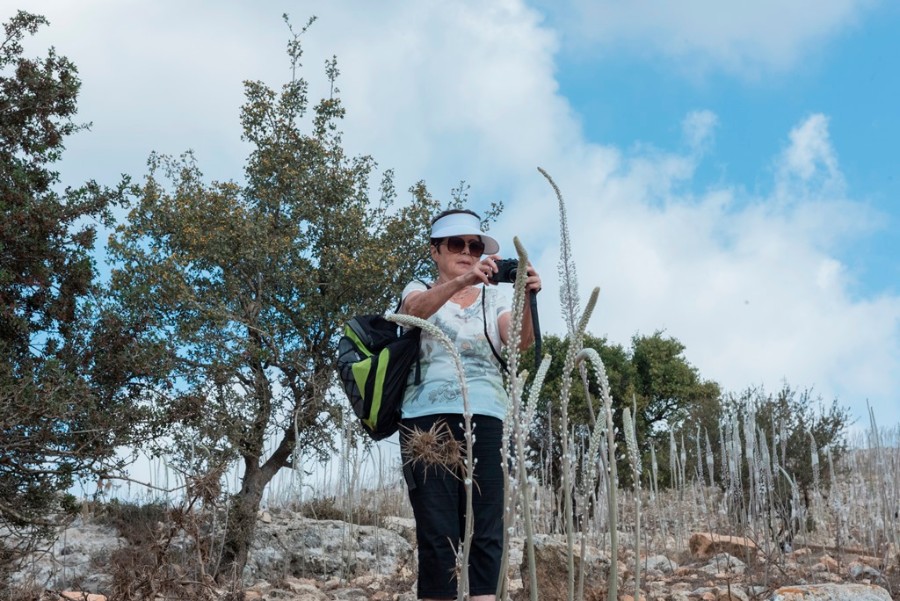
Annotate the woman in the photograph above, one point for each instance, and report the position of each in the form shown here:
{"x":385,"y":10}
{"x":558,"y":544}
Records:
{"x":458,"y":303}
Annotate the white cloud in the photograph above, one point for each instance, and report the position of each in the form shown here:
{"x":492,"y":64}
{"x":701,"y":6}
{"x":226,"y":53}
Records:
{"x":699,"y":129}
{"x":810,"y":155}
{"x":755,"y":285}
{"x":739,"y":37}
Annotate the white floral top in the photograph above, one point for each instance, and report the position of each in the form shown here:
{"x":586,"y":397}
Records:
{"x":439,"y":391}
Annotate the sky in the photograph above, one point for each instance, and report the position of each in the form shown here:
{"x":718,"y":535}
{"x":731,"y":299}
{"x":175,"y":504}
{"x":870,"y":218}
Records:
{"x":730,"y":170}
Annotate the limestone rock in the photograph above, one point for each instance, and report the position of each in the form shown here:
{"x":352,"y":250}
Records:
{"x":405,"y":527}
{"x":723,"y":563}
{"x":707,"y":544}
{"x":831,"y":592}
{"x":551,"y":562}
{"x":80,"y":596}
{"x":659,"y":563}
{"x":72,"y":555}
{"x":297,"y":546}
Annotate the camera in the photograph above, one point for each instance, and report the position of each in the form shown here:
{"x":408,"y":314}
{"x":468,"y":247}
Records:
{"x":506,"y":271}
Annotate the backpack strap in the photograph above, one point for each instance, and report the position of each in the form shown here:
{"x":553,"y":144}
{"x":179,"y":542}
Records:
{"x":418,"y":359}
{"x":484,"y":321}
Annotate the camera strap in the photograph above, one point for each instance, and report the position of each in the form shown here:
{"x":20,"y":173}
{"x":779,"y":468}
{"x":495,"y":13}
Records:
{"x":484,"y":292}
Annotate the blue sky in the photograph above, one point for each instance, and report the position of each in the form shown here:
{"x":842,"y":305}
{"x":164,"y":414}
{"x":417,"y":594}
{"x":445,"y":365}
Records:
{"x":852,"y":78}
{"x":730,"y":169}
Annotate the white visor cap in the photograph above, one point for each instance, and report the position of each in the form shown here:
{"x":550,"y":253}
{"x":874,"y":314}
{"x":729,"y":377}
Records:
{"x":463,"y":224}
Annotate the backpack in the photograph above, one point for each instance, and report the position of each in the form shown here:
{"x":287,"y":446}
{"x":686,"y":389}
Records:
{"x":374,"y":360}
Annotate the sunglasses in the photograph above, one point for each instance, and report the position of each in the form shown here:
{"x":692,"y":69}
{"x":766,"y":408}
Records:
{"x":456,"y":245}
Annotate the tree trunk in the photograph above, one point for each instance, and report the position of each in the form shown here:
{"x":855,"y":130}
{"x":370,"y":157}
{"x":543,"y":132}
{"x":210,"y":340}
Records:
{"x":241,"y":525}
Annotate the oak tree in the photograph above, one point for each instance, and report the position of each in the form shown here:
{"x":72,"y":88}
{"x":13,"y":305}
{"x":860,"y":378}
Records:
{"x":62,"y":413}
{"x":247,"y":285}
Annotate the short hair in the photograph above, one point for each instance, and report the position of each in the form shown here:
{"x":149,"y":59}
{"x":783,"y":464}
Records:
{"x":437,"y":241}
{"x":454,"y":212}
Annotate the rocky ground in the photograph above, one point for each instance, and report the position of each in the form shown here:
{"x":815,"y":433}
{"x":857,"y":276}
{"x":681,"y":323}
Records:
{"x":300,"y":559}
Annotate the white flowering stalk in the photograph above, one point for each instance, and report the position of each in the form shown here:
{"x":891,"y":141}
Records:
{"x":525,"y":419}
{"x":796,"y":519}
{"x":699,"y":470}
{"x":814,"y":460}
{"x":534,"y":392}
{"x":410,"y":321}
{"x":569,"y":300}
{"x":568,"y":459}
{"x":710,"y":460}
{"x":514,"y":429}
{"x":634,"y":458}
{"x":568,"y":293}
{"x":834,"y":498}
{"x":589,"y":476}
{"x":735,"y":457}
{"x":593,"y":358}
{"x":673,"y":460}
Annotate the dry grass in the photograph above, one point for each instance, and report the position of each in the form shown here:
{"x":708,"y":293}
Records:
{"x":436,"y":448}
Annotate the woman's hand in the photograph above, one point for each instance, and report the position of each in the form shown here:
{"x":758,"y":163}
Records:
{"x":482,"y":270}
{"x":533,"y":281}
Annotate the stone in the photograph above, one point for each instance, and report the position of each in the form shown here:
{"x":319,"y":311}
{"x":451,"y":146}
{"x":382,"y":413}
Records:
{"x":831,"y":592}
{"x":350,"y":594}
{"x":706,"y":544}
{"x":830,"y":563}
{"x":405,"y":527}
{"x":731,"y":593}
{"x":724,"y":564}
{"x":302,"y":591}
{"x":659,"y":563}
{"x":297,"y":546}
{"x":858,"y":570}
{"x":72,"y":556}
{"x":873,"y":562}
{"x":80,"y":596}
{"x":551,"y":562}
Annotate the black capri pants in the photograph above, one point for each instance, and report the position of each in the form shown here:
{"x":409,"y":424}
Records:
{"x":438,"y":500}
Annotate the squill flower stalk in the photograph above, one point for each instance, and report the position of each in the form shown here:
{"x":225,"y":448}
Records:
{"x":569,"y":291}
{"x":523,"y":421}
{"x":589,"y":475}
{"x":634,"y":458}
{"x":410,"y":321}
{"x":603,"y":382}
{"x":568,"y":459}
{"x":569,"y":300}
{"x":511,"y":492}
{"x":512,"y":427}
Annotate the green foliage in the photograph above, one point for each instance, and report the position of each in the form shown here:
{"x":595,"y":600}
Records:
{"x":785,"y":421}
{"x":245,"y":286}
{"x":668,"y":390}
{"x":59,"y":419}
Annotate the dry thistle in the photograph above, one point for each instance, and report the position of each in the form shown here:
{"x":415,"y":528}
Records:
{"x":435,"y":447}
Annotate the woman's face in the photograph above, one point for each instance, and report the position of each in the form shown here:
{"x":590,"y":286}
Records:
{"x":450,"y":264}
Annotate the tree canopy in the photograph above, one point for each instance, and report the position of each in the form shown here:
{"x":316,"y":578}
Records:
{"x":61,"y":412}
{"x":246,"y":285}
{"x":653,"y":373}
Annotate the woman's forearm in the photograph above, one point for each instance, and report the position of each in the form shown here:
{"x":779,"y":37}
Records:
{"x":425,"y":303}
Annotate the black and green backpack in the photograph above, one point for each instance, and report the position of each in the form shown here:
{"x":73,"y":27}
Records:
{"x":374,"y":360}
